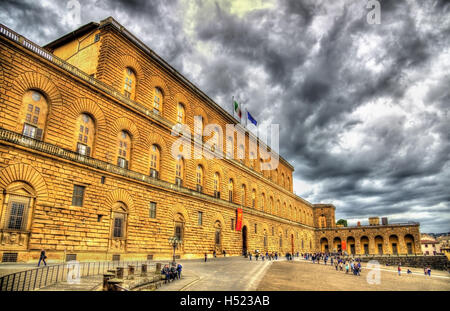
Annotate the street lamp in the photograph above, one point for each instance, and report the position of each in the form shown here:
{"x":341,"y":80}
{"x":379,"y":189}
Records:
{"x":174,"y":241}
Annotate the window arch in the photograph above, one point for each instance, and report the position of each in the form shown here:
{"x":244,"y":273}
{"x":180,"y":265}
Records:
{"x":85,"y":134}
{"x":271,"y":205}
{"x":34,"y":114}
{"x":288,"y":184}
{"x":230,"y":147}
{"x":179,"y":171}
{"x":322,"y":221}
{"x":129,"y":88}
{"x":158,"y":100}
{"x":155,"y":158}
{"x":282,"y":180}
{"x":218,"y":235}
{"x":199,"y":178}
{"x":119,"y":221}
{"x":124,"y":149}
{"x":252,"y":160}
{"x":230,"y":189}
{"x":263,"y":201}
{"x":181,"y":113}
{"x":254,"y":198}
{"x":216,"y":185}
{"x":243,"y":195}
{"x":199,"y":125}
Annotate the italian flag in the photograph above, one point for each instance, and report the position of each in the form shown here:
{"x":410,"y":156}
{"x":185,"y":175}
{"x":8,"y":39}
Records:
{"x":237,"y":109}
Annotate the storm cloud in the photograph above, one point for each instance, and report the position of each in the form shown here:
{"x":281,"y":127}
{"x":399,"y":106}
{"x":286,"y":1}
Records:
{"x":364,"y":109}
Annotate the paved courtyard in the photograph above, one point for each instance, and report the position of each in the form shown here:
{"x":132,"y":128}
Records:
{"x":240,"y":274}
{"x":305,"y":276}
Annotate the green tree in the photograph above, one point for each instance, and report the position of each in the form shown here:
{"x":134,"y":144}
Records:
{"x":342,"y":222}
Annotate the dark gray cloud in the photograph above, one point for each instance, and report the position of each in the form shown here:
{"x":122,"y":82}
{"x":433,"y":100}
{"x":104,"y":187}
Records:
{"x":364,"y":110}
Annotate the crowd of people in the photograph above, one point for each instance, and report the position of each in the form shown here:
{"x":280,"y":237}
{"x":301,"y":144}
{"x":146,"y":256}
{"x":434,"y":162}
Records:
{"x":269,"y":256}
{"x":173,"y":273}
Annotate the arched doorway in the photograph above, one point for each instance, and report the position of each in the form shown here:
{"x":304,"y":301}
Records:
{"x":365,"y":245}
{"x":393,"y":242}
{"x":324,"y":245}
{"x":244,"y":240}
{"x":379,"y":244}
{"x":337,"y":247}
{"x":351,"y":245}
{"x":409,"y":242}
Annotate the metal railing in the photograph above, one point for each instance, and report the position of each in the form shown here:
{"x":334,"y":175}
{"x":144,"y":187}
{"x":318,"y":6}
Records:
{"x":44,"y":276}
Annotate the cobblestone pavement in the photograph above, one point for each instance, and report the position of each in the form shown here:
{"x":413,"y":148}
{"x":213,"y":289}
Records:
{"x":301,"y":275}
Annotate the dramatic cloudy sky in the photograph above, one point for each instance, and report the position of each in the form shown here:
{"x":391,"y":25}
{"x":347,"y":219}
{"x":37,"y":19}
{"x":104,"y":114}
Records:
{"x":364,"y":110}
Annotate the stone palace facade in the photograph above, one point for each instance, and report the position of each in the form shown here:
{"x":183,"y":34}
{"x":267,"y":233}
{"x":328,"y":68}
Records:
{"x":86,"y":170}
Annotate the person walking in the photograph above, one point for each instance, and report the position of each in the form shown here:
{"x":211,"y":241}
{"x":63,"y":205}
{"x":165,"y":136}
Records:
{"x":179,"y":268}
{"x":42,"y":257}
{"x":206,"y":257}
{"x":214,"y":254}
{"x":399,"y":269}
{"x":250,"y":255}
{"x":429,"y":271}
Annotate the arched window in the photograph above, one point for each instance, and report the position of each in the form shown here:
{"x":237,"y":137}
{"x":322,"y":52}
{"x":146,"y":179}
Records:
{"x":230,"y":189}
{"x":252,"y":160}
{"x":34,"y":112}
{"x":216,"y":185}
{"x":199,"y":174}
{"x":85,"y":134}
{"x":288,"y":185}
{"x":230,"y":147}
{"x":119,"y":219}
{"x":275,"y":176}
{"x":254,"y":198}
{"x":282,"y":180}
{"x":19,"y":202}
{"x":181,"y":114}
{"x":157,"y":100}
{"x":124,"y":149}
{"x":198,"y":128}
{"x":243,"y":195}
{"x":265,"y":240}
{"x":271,"y":205}
{"x":179,"y":171}
{"x":129,"y":88}
{"x":241,"y":153}
{"x":322,"y":221}
{"x":154,"y":161}
{"x":216,"y":145}
{"x":263,"y":201}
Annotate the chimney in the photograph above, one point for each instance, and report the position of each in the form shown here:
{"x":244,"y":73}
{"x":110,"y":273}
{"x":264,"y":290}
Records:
{"x":384,"y":221}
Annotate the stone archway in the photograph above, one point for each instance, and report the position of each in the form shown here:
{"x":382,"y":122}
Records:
{"x":324,"y":245}
{"x":393,"y":243}
{"x":365,"y":245}
{"x":351,"y":248}
{"x":337,"y":245}
{"x":218,"y":237}
{"x":409,"y":243}
{"x":379,"y":242}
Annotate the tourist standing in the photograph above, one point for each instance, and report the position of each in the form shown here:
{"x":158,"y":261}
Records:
{"x":179,"y":268}
{"x":206,"y":256}
{"x":399,"y":269}
{"x":429,"y":271}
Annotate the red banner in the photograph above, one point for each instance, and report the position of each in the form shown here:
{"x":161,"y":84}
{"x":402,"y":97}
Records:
{"x":238,"y":219}
{"x":343,"y":245}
